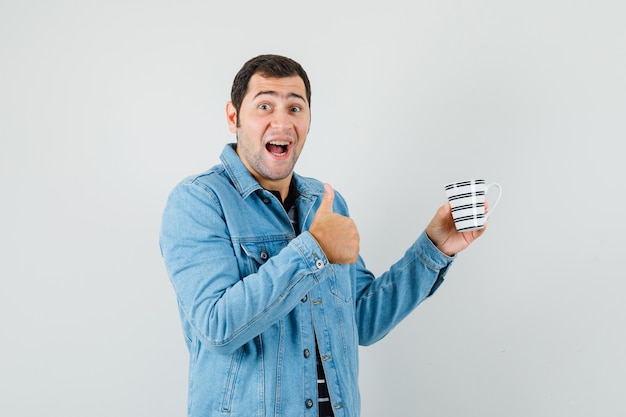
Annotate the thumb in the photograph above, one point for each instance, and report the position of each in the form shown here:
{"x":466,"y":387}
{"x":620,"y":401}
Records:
{"x":327,"y":200}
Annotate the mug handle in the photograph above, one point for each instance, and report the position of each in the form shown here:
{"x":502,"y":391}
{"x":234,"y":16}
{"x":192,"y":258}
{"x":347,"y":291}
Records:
{"x":493,"y":206}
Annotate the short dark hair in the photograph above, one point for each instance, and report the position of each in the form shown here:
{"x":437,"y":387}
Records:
{"x":268,"y":66}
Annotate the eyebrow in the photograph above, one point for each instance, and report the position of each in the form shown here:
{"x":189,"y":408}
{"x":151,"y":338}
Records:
{"x":274,"y":93}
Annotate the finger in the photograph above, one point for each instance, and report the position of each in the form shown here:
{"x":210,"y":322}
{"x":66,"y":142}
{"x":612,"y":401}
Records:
{"x":327,"y":200}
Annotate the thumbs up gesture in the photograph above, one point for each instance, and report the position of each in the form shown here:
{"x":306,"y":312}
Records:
{"x":337,"y":235}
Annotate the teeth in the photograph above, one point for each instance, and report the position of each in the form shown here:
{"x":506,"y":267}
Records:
{"x":279,"y":143}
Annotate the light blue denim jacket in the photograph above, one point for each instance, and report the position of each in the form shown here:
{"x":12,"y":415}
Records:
{"x":253,"y":297}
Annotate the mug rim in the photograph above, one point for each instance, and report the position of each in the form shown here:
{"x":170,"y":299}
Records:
{"x":464,"y":183}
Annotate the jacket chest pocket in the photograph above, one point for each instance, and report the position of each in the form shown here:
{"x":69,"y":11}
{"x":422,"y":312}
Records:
{"x":255,"y":254}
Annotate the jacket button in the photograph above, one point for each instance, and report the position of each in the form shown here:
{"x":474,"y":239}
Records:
{"x":307,"y":353}
{"x":308,"y":403}
{"x":266,"y":200}
{"x":319,"y":264}
{"x":304,"y":299}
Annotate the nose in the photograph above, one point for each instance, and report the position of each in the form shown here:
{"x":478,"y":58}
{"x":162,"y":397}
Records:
{"x":281,"y":118}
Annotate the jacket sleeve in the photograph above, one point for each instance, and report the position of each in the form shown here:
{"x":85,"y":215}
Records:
{"x":383,"y":302}
{"x":222,"y":308}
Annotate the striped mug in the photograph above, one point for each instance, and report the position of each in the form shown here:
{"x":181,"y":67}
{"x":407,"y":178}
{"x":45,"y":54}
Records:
{"x":467,"y":200}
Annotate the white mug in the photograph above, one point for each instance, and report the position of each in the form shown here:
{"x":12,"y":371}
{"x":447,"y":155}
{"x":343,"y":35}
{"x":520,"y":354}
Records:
{"x":467,"y":200}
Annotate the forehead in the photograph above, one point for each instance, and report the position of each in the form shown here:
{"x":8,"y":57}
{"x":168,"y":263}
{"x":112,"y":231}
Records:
{"x":284,"y":87}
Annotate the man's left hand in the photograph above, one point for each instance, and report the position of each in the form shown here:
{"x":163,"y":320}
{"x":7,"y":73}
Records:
{"x":442,"y":232}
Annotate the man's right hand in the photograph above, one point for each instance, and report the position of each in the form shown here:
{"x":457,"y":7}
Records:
{"x":336,"y":234}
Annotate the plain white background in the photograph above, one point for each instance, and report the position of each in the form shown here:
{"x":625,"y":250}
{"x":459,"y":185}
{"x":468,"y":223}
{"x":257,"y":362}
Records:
{"x":105,"y":106}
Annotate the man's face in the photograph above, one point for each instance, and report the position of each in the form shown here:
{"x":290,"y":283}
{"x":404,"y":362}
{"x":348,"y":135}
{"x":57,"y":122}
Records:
{"x":271,"y":128}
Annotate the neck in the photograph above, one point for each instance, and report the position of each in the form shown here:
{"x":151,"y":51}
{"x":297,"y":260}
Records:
{"x":280,"y":186}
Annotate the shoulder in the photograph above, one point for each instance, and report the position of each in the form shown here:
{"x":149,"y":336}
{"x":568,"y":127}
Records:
{"x":196,"y":188}
{"x":207,"y":180}
{"x":204,"y":179}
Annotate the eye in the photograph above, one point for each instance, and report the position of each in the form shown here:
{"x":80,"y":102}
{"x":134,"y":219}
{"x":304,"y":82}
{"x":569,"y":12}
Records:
{"x":296,"y":109}
{"x":264,"y":106}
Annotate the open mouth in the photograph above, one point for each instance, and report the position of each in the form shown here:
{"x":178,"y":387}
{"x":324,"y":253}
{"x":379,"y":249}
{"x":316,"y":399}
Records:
{"x":277,"y":147}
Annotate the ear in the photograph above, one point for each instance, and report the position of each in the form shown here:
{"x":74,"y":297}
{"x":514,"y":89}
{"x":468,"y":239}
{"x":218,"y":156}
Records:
{"x":231,"y":117}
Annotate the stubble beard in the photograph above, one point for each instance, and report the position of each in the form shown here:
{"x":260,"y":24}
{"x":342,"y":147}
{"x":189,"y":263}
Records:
{"x":260,"y":161}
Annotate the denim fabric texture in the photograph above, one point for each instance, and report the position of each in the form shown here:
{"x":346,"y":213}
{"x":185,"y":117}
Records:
{"x":253,"y":296}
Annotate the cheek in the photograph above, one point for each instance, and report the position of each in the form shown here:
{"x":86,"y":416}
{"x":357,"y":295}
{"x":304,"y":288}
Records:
{"x":303,"y":130}
{"x":253,"y":130}
{"x":300,"y":145}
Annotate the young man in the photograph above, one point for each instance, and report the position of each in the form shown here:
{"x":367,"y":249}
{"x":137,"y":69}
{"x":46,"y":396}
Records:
{"x":273,"y":295}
